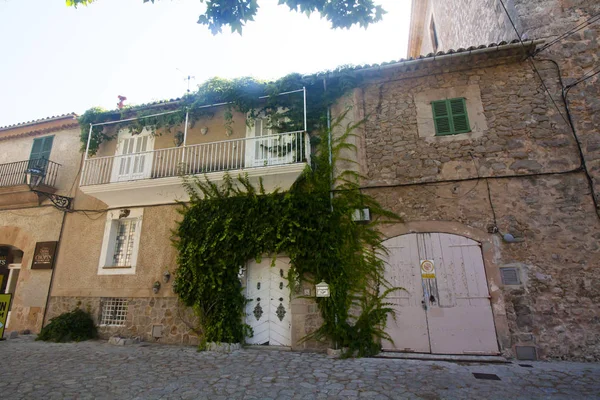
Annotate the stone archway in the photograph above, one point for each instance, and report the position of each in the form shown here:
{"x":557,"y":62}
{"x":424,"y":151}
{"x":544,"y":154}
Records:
{"x":31,"y":289}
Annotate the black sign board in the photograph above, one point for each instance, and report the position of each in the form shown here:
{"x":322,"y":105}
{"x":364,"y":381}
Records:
{"x":5,"y":259}
{"x":43,"y":257}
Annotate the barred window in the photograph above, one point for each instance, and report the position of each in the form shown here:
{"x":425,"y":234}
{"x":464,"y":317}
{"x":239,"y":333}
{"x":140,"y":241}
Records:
{"x":124,"y":243}
{"x":121,"y":242}
{"x":114,"y":311}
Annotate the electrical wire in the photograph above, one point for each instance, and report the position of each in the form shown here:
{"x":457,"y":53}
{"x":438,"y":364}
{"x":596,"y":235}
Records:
{"x":579,"y":27}
{"x":570,"y":119}
{"x":589,"y":74}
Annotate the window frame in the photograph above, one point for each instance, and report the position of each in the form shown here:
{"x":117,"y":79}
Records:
{"x":106,"y":265}
{"x":43,"y":141}
{"x":118,"y":306}
{"x":450,"y":116}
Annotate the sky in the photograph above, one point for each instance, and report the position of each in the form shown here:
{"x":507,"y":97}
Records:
{"x":56,"y":59}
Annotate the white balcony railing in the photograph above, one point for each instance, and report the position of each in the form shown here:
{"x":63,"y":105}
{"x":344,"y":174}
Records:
{"x":227,"y":155}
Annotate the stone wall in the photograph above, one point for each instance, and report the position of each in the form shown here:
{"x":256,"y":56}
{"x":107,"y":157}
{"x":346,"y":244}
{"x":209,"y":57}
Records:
{"x":521,"y":176}
{"x":142,"y":314}
{"x":462,"y":23}
{"x":179,"y":324}
{"x":524,"y":135}
{"x":458,"y":26}
{"x":559,"y":257}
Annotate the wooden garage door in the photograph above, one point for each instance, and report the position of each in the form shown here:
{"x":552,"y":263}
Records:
{"x":448,"y":314}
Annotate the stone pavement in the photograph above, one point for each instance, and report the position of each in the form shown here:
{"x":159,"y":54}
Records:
{"x":37,"y":370}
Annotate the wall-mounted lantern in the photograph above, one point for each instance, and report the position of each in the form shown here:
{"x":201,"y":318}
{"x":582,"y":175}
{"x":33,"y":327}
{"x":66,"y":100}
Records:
{"x":34,"y":177}
{"x":361,"y":215}
{"x":322,"y":289}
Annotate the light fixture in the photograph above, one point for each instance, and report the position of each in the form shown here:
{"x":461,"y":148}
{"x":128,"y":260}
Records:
{"x":241,"y":272}
{"x":34,"y":177}
{"x":509,"y":238}
{"x":361,"y":215}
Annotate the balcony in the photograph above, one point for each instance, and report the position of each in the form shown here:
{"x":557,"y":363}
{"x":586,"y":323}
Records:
{"x":155,"y":177}
{"x":14,"y":191}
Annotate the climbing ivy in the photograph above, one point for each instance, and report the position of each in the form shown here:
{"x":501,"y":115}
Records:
{"x":285,"y":113}
{"x":225,"y":226}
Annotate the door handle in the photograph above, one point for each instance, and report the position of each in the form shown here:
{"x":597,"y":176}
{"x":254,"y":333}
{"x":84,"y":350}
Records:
{"x":424,"y":304}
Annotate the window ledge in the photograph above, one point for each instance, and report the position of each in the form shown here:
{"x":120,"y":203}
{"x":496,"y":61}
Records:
{"x":117,"y":267}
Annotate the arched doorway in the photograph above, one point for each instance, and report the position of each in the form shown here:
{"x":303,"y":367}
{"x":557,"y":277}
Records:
{"x":446,"y":307}
{"x":10,"y":267}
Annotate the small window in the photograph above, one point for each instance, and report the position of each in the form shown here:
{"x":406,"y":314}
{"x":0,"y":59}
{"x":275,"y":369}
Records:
{"x":450,"y":117}
{"x":434,"y":36}
{"x":114,"y":311}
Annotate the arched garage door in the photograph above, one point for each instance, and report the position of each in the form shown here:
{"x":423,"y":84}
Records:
{"x":446,"y":310}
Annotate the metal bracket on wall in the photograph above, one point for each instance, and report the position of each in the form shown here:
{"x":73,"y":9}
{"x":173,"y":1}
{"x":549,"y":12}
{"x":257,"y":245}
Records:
{"x":61,"y":202}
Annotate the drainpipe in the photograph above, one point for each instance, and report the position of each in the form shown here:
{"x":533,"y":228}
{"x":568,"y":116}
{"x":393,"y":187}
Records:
{"x":185,"y":129}
{"x":329,"y":146}
{"x":62,"y":226}
{"x":85,"y":156}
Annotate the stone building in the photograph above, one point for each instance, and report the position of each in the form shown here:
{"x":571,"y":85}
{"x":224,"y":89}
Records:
{"x":30,"y":224}
{"x":498,"y":248}
{"x":570,"y":30}
{"x":470,"y":150}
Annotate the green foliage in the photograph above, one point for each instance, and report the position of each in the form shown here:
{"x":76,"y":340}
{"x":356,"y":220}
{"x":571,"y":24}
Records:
{"x":225,"y":226}
{"x":76,"y":326}
{"x":235,"y":13}
{"x":285,"y":113}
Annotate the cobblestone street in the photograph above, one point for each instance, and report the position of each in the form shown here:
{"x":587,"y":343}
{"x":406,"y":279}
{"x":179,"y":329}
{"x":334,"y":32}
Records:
{"x":37,"y":370}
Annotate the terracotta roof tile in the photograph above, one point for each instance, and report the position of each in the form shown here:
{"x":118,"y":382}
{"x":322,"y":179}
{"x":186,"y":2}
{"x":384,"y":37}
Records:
{"x":40,"y":120}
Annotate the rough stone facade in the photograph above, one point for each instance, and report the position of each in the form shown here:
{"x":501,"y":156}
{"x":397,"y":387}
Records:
{"x":177,"y":322}
{"x":522,"y":176}
{"x":463,"y":23}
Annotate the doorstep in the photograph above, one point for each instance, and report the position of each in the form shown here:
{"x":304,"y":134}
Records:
{"x":265,"y":347}
{"x":443,"y":357}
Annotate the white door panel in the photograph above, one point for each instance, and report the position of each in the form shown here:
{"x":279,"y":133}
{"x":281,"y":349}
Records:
{"x":133,"y":160}
{"x":409,"y":330}
{"x":268,"y":311}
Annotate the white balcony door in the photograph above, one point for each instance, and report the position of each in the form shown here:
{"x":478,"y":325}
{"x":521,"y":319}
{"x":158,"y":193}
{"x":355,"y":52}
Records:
{"x":133,"y":160}
{"x":265,"y":147}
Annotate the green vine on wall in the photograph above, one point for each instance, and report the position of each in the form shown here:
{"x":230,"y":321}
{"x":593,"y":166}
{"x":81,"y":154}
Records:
{"x":240,"y":94}
{"x":223,"y":227}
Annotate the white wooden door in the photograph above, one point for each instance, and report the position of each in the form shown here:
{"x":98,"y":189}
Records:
{"x":455,"y":303}
{"x":133,"y":159}
{"x":409,"y":329}
{"x":268,"y":309}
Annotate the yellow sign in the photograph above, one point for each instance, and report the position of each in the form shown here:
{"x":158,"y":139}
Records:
{"x":4,"y":307}
{"x":427,"y":269}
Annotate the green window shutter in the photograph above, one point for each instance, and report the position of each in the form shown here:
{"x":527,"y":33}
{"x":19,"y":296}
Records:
{"x":450,"y":116}
{"x":460,"y":120}
{"x":441,"y":117}
{"x":41,"y":148}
